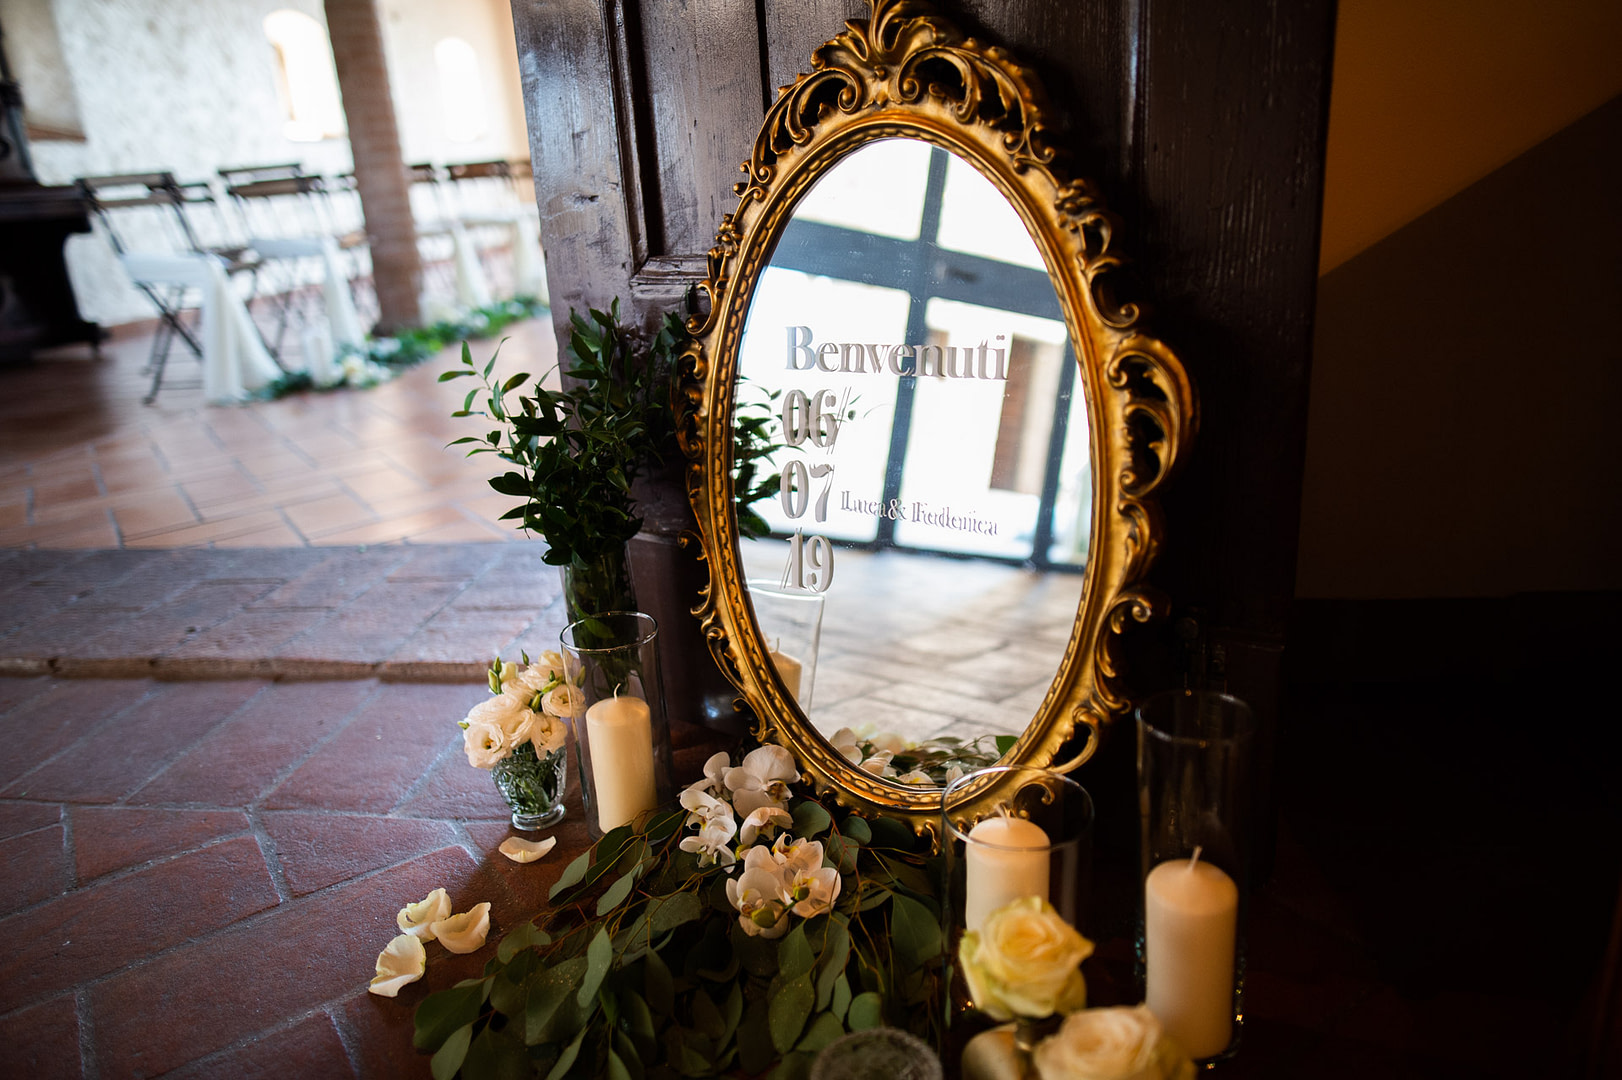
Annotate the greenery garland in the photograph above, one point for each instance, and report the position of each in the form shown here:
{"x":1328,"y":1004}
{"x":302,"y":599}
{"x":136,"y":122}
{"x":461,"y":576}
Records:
{"x":642,"y":968}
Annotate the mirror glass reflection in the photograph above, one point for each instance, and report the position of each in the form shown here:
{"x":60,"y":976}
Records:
{"x":912,"y":464}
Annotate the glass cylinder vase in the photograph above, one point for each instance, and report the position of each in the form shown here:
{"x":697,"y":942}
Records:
{"x":597,"y":584}
{"x":620,"y":727}
{"x":1035,"y":841}
{"x":1195,"y":753}
{"x":790,"y":622}
{"x":533,"y":783}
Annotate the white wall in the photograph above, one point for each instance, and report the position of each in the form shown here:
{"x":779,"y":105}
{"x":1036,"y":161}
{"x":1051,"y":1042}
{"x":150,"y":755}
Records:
{"x":189,"y":86}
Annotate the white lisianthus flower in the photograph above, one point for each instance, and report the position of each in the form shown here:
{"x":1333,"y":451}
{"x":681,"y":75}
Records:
{"x":563,"y":701}
{"x":403,"y":960}
{"x":417,"y":919}
{"x":520,"y":850}
{"x":758,"y":896}
{"x":762,"y":823}
{"x":762,"y":779}
{"x":814,"y":891}
{"x":546,"y":731}
{"x":464,"y":933}
{"x":1111,"y":1044}
{"x":485,"y":744}
{"x":1025,"y":960}
{"x":504,"y":711}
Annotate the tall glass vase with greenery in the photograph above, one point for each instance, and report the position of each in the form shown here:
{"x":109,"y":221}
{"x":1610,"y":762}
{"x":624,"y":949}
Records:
{"x":576,"y":450}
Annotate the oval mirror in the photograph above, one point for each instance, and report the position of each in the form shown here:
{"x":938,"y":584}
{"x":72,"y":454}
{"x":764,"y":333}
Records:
{"x":924,"y":437}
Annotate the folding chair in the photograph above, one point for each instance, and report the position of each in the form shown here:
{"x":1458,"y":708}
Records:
{"x":491,"y":200}
{"x":159,"y":250}
{"x":437,"y":222}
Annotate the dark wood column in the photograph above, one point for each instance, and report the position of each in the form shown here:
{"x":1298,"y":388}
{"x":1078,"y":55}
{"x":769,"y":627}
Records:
{"x":363,"y":77}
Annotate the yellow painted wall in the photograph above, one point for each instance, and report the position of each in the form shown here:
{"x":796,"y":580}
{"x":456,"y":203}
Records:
{"x":1430,"y":96}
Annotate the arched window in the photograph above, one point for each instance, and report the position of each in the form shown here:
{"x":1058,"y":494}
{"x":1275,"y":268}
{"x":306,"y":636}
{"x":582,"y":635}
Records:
{"x":462,"y":101}
{"x":305,"y":77}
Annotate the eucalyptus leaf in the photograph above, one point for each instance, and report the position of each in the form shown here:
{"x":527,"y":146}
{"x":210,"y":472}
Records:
{"x":890,"y":833}
{"x":629,"y":1055}
{"x":866,"y":1011}
{"x":672,"y":911}
{"x":447,"y":1060}
{"x":810,"y":819}
{"x":497,"y":1055}
{"x":792,"y":1067}
{"x":616,"y":893}
{"x":616,"y":1067}
{"x":794,"y":955}
{"x":441,"y":1014}
{"x":598,"y":956}
{"x":755,"y":1052}
{"x":520,"y":937}
{"x":789,"y":1010}
{"x":657,"y":985}
{"x":840,"y":1004}
{"x":565,"y":1060}
{"x":855,"y":828}
{"x":706,"y":1017}
{"x":835,"y":953}
{"x":638,"y":1020}
{"x":823,"y":1030}
{"x":552,"y":1013}
{"x":914,"y":930}
{"x":731,"y":1013}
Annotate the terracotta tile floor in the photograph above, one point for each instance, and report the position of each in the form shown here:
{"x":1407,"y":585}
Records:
{"x":83,"y":464}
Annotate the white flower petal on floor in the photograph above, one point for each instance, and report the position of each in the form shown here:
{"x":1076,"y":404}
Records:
{"x":417,"y":919}
{"x":464,"y":933}
{"x":402,"y":961}
{"x":526,"y":851}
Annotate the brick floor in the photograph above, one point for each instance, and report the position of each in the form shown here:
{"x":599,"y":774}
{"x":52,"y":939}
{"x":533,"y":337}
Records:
{"x":338,"y":468}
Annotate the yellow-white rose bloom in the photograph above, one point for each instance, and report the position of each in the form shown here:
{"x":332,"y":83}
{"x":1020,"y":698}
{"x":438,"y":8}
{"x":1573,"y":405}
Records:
{"x":1111,"y":1044}
{"x":1025,"y":960}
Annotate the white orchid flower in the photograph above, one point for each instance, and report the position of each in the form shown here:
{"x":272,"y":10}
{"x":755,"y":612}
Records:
{"x":814,"y":891}
{"x":520,"y":850}
{"x":879,"y":764}
{"x":715,"y":772}
{"x":402,"y":961}
{"x":464,"y":933}
{"x":417,"y":919}
{"x":762,"y":779}
{"x":795,"y":855}
{"x":917,"y":776}
{"x":847,"y":743}
{"x":702,"y":808}
{"x":762,"y":823}
{"x":758,"y":896}
{"x":713,"y":842}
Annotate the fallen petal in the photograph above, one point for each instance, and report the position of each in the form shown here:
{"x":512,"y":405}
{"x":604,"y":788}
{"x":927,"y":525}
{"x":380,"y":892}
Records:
{"x":402,"y":961}
{"x":521,"y":851}
{"x":417,"y":919}
{"x":464,"y":933}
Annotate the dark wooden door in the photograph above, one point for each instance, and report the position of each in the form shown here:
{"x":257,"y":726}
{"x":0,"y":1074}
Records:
{"x":1203,"y":122}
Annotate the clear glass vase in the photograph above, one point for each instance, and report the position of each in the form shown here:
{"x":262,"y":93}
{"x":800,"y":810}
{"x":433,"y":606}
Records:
{"x":592,"y":586}
{"x":533,"y":786}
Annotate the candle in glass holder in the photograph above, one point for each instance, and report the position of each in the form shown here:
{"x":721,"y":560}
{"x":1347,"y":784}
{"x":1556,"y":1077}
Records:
{"x":998,"y":871}
{"x":1191,"y":918}
{"x":789,"y":669}
{"x":619,"y":731}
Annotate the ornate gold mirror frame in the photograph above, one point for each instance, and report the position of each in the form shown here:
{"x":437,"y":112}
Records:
{"x":909,"y":73}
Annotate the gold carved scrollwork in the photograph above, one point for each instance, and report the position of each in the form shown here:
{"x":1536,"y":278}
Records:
{"x":907,"y":72}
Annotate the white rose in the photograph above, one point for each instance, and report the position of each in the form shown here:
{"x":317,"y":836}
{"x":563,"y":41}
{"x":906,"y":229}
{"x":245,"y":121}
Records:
{"x":485,"y":744}
{"x":1111,"y":1044}
{"x":1025,"y":960}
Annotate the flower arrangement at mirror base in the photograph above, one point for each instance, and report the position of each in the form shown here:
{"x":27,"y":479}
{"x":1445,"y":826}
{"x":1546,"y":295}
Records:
{"x":518,"y":734}
{"x":933,"y":762}
{"x":748,"y":927}
{"x":1024,"y":965}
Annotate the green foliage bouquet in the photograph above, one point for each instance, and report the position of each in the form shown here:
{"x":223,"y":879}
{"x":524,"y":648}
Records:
{"x":747,"y":929}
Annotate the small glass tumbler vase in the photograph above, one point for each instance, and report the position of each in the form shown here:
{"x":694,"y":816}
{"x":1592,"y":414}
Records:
{"x":533,"y":786}
{"x":1036,"y":841}
{"x":1195,"y":756}
{"x":790,"y":623}
{"x":621,"y":733}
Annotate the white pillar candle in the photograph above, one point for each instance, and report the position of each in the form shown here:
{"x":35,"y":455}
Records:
{"x":1005,"y":859}
{"x":1191,"y":920}
{"x":619,"y":731}
{"x":788,"y":668}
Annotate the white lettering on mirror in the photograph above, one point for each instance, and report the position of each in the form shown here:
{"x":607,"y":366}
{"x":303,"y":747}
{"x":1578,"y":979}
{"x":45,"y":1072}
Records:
{"x":984,"y":361}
